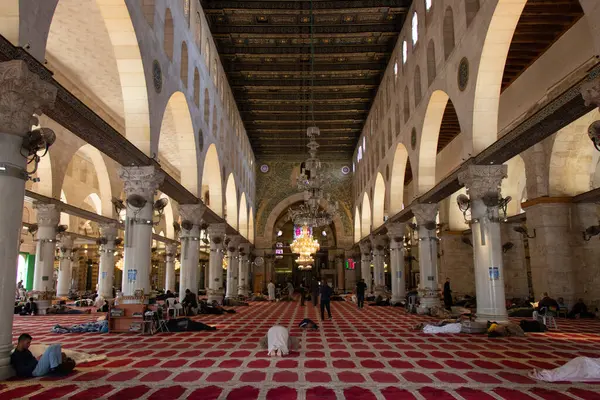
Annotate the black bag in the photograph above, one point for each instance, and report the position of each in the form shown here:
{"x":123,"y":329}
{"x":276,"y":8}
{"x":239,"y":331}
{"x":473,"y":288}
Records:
{"x":532,"y":326}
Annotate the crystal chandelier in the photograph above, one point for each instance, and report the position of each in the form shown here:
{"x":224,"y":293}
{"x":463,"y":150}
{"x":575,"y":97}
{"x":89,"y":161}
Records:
{"x":305,"y":244}
{"x":304,"y":262}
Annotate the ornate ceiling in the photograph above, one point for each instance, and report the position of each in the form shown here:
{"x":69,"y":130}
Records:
{"x":265,"y":49}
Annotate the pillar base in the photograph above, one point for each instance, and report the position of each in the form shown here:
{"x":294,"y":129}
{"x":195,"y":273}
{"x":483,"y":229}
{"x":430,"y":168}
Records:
{"x":43,"y":305}
{"x":427,"y":300}
{"x":215,"y":296}
{"x":397,"y":299}
{"x":6,"y":371}
{"x":499,"y":318}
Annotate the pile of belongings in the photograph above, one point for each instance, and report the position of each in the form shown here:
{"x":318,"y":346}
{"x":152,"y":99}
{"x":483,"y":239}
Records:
{"x":187,"y":325}
{"x":100,"y":326}
{"x":84,"y":303}
{"x":504,"y":330}
{"x":532,"y":326}
{"x":444,"y":326}
{"x":439,"y":312}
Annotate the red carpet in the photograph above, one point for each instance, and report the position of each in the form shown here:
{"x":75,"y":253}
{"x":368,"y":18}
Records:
{"x":367,"y":354}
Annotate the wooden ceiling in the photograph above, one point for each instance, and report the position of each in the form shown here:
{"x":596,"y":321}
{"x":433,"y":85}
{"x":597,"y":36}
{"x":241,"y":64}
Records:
{"x":265,"y":47}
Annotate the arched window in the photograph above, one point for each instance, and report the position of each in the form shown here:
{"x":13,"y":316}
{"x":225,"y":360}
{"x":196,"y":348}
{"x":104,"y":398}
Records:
{"x":206,"y":107}
{"x":199,"y":32}
{"x":404,"y":51}
{"x":417,"y":85}
{"x":415,"y":28}
{"x":395,"y":73}
{"x":431,"y":70}
{"x":169,"y":35}
{"x":406,"y":105}
{"x":186,"y":11}
{"x":148,"y":10}
{"x":448,"y":32}
{"x":365,"y":143}
{"x":196,"y":87}
{"x":389,"y":132}
{"x":471,"y":9}
{"x":428,"y":4}
{"x":183,"y":73}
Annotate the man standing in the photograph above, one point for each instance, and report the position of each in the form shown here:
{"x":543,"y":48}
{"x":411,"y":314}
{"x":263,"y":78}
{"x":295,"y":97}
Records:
{"x":314,"y":291}
{"x":302,"y":289}
{"x":326,"y":292}
{"x":360,"y":293}
{"x":271,"y":290}
{"x":447,"y":294}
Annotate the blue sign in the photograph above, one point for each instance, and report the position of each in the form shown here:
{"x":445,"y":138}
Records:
{"x":132,"y":275}
{"x":104,"y":273}
{"x":399,"y":274}
{"x":494,"y":273}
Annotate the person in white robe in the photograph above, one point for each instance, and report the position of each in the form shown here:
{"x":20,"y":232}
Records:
{"x":271,"y":289}
{"x":278,"y":341}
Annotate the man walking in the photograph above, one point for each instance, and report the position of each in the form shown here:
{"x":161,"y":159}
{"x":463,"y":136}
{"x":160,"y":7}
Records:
{"x":302,"y":289}
{"x":360,"y":293}
{"x":314,"y":291}
{"x":447,"y":295}
{"x":326,"y":292}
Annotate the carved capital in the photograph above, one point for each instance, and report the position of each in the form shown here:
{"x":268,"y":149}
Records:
{"x":66,"y":242}
{"x":47,"y":214}
{"x":365,"y":247}
{"x":170,"y":252}
{"x":234,"y":241}
{"x":141,"y":180}
{"x":244,"y":249}
{"x":482,"y":179}
{"x":109,"y":230}
{"x":379,"y":242}
{"x":23,"y":94}
{"x":425,"y":213}
{"x":217,"y":233}
{"x":396,"y":232}
{"x":192,"y":212}
{"x":590,"y":91}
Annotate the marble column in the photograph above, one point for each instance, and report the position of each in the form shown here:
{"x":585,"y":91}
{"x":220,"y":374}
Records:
{"x":269,"y":270}
{"x":190,"y":247}
{"x":428,"y":286}
{"x":48,"y":216}
{"x":484,"y":181}
{"x":233,"y":265}
{"x":365,"y":264}
{"x":216,"y":232}
{"x":74,"y":284}
{"x":396,"y":233}
{"x":64,"y":267}
{"x":170,"y":252}
{"x":378,"y":245}
{"x":341,"y":277}
{"x":23,"y":93}
{"x":206,"y":275}
{"x":106,"y":272}
{"x":138,"y":181}
{"x":244,"y":270}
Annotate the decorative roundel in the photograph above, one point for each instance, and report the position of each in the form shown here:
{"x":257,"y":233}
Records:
{"x":345,"y":170}
{"x":264,"y":168}
{"x":259,"y":261}
{"x":463,"y":74}
{"x":157,"y":76}
{"x":413,"y":139}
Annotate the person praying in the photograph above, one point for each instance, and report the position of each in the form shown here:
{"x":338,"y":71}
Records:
{"x":271,"y":290}
{"x":278,"y":341}
{"x":290,"y":289}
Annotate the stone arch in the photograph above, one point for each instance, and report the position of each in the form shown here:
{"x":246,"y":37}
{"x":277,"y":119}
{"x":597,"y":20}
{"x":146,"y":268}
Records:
{"x":514,"y":184}
{"x":471,"y":9}
{"x":177,"y":143}
{"x":448,"y":31}
{"x":212,"y":187}
{"x":251,"y":226}
{"x":429,"y":139}
{"x":243,"y":217}
{"x":431,"y":65}
{"x":491,"y":69}
{"x":356,"y":225}
{"x":196,"y":88}
{"x":378,"y":201}
{"x":417,"y":83}
{"x":169,"y":216}
{"x":93,"y":200}
{"x":148,"y":8}
{"x":397,"y":180}
{"x":231,"y":205}
{"x":573,"y":159}
{"x":406,"y":105}
{"x":183,"y":72}
{"x":169,"y":35}
{"x":365,"y":221}
{"x":65,"y":218}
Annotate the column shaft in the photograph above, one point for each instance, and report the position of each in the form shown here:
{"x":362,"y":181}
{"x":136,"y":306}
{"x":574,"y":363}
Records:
{"x":428,"y":285}
{"x":48,"y":216}
{"x":171,"y":249}
{"x":365,"y":265}
{"x":64,"y":268}
{"x":341,"y":278}
{"x":190,"y":256}
{"x":396,"y":232}
{"x":216,"y":233}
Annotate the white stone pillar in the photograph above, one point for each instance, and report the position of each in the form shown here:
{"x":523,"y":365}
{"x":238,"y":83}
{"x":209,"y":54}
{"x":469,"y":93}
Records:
{"x":48,"y":216}
{"x":396,"y":233}
{"x":64,"y":267}
{"x":244,"y":270}
{"x":216,"y":232}
{"x":74,"y":284}
{"x":428,"y":285}
{"x":191,"y":216}
{"x":138,"y":181}
{"x":233,"y":266}
{"x":23,"y":93}
{"x":170,"y":251}
{"x":484,"y":181}
{"x":378,"y":244}
{"x":365,"y":264}
{"x":106,"y":270}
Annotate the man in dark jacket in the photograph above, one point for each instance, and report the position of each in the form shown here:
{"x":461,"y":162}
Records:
{"x":326,"y":292}
{"x":314,"y":291}
{"x":447,"y":295}
{"x":190,"y":302}
{"x":360,"y":293}
{"x":27,"y":366}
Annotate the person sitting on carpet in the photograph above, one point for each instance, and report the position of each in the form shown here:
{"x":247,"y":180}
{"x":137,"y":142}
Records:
{"x":30,"y":308}
{"x":189,"y":303}
{"x":279,"y":342}
{"x":580,"y":310}
{"x":26,"y":365}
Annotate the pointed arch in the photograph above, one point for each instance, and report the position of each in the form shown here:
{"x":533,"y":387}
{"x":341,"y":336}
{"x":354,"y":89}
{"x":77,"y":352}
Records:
{"x":514,"y":184}
{"x":93,"y":200}
{"x":64,"y":217}
{"x":183,"y":72}
{"x":448,"y":31}
{"x":397,"y":180}
{"x":471,"y":9}
{"x":251,"y":226}
{"x":212,"y":189}
{"x":243,"y":217}
{"x":44,"y":174}
{"x":231,"y":204}
{"x":417,"y":83}
{"x":148,"y":8}
{"x":365,"y":224}
{"x":177,"y":142}
{"x":168,"y":35}
{"x":169,"y":216}
{"x":378,"y":202}
{"x":196,"y":88}
{"x":431,"y":64}
{"x":356,"y":225}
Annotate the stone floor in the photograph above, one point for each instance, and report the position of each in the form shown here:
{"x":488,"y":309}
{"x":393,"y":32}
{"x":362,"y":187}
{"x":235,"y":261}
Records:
{"x":367,"y":354}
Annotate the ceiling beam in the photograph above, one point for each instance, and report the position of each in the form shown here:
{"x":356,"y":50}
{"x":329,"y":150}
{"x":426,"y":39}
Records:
{"x":298,"y":5}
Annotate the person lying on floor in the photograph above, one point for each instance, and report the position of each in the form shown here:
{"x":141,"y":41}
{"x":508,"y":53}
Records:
{"x":62,"y":309}
{"x":213,"y":308}
{"x":308,"y":324}
{"x":279,"y":342}
{"x":27,"y":366}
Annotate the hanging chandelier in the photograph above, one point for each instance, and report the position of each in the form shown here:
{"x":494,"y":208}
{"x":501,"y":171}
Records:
{"x":305,"y":262}
{"x":305,"y":244}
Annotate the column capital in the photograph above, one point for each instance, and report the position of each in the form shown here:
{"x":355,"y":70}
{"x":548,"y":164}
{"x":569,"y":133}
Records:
{"x":396,"y":232}
{"x":47,"y":214}
{"x":66,"y":241}
{"x":109,"y":230}
{"x":143,"y":181}
{"x":590,"y":91}
{"x":244,"y":249}
{"x":365,"y":247}
{"x":217,"y":232}
{"x":192,"y":212}
{"x":23,"y":94}
{"x":425,"y":213}
{"x":170,"y":249}
{"x":481,"y":180}
{"x":234,"y":241}
{"x":378,"y":242}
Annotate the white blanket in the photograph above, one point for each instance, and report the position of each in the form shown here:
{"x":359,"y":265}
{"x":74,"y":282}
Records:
{"x":79,"y":357}
{"x":278,"y":337}
{"x":580,"y":369}
{"x":449,"y":328}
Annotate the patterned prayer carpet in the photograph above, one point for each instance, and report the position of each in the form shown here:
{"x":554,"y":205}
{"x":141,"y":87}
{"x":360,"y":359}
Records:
{"x":359,"y":355}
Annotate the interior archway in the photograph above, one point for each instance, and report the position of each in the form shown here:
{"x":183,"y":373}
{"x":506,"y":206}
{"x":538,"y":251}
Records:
{"x":365,"y":224}
{"x":356,"y":225}
{"x":231,"y":210}
{"x":243,"y":216}
{"x":212,"y":189}
{"x":397,"y":179}
{"x":93,"y":200}
{"x":177,"y":142}
{"x":514,"y":184}
{"x":251,"y":226}
{"x":429,"y":140}
{"x":378,"y":202}
{"x":168,"y":217}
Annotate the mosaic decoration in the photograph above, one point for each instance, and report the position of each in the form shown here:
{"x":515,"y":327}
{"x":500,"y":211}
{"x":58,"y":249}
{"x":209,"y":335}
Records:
{"x":463,"y":74}
{"x":157,"y":76}
{"x":264,"y":168}
{"x":345,"y":170}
